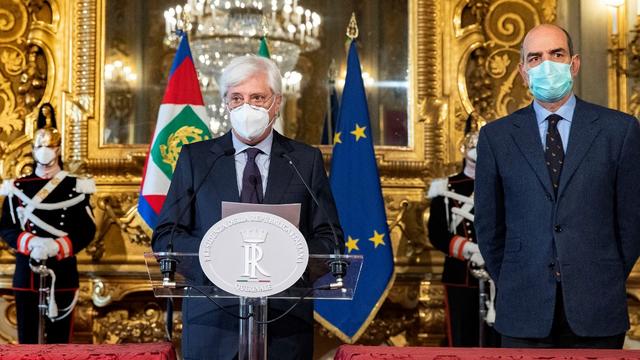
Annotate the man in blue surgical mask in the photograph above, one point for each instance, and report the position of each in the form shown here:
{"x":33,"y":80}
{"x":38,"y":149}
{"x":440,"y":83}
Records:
{"x":557,"y":202}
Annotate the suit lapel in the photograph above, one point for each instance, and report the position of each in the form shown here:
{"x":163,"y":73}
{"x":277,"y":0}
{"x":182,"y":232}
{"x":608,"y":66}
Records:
{"x":280,"y":172}
{"x":225,"y":170}
{"x":584,"y":129}
{"x":527,"y":138}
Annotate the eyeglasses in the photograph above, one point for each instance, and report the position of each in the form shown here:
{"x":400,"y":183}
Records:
{"x":254,"y":99}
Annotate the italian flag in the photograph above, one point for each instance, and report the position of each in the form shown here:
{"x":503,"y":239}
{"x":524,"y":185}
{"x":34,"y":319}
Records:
{"x":181,"y":120}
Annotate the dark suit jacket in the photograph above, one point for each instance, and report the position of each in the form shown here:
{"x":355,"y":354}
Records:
{"x":283,"y":187}
{"x":587,"y":237}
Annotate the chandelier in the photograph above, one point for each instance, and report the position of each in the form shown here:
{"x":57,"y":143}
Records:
{"x":221,"y":30}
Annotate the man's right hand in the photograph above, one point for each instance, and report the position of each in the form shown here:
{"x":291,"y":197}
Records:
{"x":43,"y":247}
{"x":471,"y":252}
{"x":477,"y":260}
{"x":37,"y":242}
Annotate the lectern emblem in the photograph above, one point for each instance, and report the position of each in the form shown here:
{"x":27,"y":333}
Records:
{"x":253,"y":254}
{"x":253,"y":239}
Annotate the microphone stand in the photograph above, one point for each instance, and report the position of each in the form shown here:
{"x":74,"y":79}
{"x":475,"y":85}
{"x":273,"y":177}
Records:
{"x":338,"y":266}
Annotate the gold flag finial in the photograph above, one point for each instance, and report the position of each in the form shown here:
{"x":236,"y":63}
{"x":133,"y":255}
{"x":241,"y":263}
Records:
{"x":352,"y":29}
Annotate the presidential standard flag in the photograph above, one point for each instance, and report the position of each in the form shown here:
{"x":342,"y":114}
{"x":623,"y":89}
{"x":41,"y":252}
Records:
{"x":356,"y":188}
{"x":181,"y":120}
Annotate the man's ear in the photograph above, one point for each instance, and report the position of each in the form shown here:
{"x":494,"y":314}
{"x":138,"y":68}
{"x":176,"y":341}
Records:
{"x":523,"y":74}
{"x":575,"y":65}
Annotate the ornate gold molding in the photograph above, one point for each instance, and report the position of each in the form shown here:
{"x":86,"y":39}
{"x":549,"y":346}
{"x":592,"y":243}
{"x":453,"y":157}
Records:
{"x":119,"y":211}
{"x":633,"y":70}
{"x":135,"y":323}
{"x":8,"y":322}
{"x":484,"y":53}
{"x":27,"y":76}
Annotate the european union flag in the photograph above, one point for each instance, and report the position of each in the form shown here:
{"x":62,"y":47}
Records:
{"x":356,"y":188}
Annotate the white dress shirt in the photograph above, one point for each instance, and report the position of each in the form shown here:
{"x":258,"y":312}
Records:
{"x":262,"y":159}
{"x":564,"y":125}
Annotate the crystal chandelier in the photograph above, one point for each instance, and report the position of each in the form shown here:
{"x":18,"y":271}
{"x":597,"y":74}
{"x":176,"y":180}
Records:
{"x":221,"y":30}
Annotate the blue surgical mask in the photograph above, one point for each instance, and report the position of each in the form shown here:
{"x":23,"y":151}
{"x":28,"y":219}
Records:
{"x":550,"y":81}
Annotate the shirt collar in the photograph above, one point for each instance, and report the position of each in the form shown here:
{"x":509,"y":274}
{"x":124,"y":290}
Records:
{"x":565,"y":111}
{"x":264,"y":145}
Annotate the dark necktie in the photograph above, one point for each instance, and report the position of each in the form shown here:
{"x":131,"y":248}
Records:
{"x":251,"y":179}
{"x":554,"y":152}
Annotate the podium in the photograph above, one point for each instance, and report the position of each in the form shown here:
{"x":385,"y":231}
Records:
{"x":317,"y":282}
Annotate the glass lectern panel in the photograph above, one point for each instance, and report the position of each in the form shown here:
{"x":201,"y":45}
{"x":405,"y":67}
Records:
{"x":190,"y":281}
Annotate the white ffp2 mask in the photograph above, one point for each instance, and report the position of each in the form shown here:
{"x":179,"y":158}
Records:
{"x":44,"y":155}
{"x":249,"y":121}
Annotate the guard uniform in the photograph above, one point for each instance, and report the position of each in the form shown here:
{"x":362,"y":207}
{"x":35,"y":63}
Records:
{"x":57,"y":208}
{"x":461,"y":288}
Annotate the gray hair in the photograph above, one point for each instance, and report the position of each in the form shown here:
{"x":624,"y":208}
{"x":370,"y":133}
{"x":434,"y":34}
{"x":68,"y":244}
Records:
{"x":242,"y":68}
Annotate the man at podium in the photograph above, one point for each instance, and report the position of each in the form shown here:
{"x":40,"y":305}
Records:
{"x":248,"y":164}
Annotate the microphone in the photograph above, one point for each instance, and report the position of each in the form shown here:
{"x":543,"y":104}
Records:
{"x":338,"y":266}
{"x":167,"y":262}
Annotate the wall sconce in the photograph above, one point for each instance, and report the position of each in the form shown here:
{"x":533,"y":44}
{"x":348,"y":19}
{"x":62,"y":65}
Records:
{"x":616,"y":47}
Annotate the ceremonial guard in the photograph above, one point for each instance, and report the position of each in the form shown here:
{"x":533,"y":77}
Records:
{"x":451,"y":231}
{"x":47,"y":219}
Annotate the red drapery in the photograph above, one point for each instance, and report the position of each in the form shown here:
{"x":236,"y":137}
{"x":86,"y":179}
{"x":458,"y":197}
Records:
{"x":149,"y":351}
{"x":355,"y":352}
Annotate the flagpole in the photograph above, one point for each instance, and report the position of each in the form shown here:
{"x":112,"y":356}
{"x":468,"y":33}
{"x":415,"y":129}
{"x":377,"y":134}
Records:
{"x":331,"y":84}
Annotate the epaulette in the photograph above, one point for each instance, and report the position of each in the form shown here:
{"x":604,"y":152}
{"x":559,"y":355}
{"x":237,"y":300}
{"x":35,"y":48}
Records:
{"x":437,"y":187}
{"x":85,"y":185}
{"x":6,"y":187}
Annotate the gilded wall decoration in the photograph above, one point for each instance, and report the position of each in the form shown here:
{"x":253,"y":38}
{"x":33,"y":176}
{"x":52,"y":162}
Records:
{"x":492,"y":32}
{"x":139,"y":323}
{"x":26,"y":33}
{"x":9,"y":322}
{"x":117,"y":211}
{"x":633,"y":72}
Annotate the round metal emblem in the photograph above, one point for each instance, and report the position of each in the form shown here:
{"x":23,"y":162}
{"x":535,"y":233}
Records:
{"x":253,"y":254}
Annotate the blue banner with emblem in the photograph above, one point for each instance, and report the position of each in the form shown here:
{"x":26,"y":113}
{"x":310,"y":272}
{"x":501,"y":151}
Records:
{"x":355,"y":184}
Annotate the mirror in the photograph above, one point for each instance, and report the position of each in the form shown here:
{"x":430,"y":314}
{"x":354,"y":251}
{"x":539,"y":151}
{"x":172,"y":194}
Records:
{"x":137,"y":58}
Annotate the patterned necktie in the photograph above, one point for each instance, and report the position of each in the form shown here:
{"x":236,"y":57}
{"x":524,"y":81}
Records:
{"x":554,"y":152}
{"x":251,"y":179}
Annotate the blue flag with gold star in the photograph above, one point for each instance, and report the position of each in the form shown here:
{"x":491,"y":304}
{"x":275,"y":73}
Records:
{"x":355,"y":184}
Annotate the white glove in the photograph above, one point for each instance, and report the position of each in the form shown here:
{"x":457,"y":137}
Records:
{"x":46,"y":247}
{"x":35,"y":242}
{"x":477,"y":260}
{"x":39,"y":253}
{"x":471,"y":252}
{"x":469,"y":249}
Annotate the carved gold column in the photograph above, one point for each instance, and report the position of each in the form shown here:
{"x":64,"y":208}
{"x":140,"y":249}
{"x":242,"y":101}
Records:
{"x":617,"y":61}
{"x":633,"y":71}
